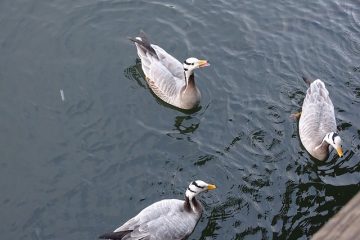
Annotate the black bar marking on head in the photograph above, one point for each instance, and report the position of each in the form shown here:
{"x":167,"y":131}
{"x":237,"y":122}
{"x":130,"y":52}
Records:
{"x":187,"y":63}
{"x":333,"y":137}
{"x":191,"y":190}
{"x":196,"y":185}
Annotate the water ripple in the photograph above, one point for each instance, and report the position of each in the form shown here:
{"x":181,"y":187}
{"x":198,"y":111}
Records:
{"x":113,"y":148}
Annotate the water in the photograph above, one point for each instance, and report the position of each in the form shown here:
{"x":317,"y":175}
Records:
{"x":76,"y":165}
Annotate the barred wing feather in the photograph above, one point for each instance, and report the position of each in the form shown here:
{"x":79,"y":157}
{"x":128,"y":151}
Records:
{"x":317,"y":116}
{"x":162,"y":220}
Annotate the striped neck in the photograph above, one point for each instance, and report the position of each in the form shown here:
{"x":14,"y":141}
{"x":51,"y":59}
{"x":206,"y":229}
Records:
{"x":189,"y":77}
{"x":192,"y":205}
{"x":329,"y":139}
{"x":195,"y":187}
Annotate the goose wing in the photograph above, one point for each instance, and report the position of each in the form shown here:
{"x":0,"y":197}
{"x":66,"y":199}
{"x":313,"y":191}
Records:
{"x":162,"y":73}
{"x":171,"y":63}
{"x":163,"y":220}
{"x":163,"y":83}
{"x":149,"y":53}
{"x":317,"y":116}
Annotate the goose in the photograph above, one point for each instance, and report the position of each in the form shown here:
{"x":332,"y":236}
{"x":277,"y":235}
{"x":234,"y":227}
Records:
{"x":171,"y":81}
{"x":168,"y":219}
{"x":317,"y":124}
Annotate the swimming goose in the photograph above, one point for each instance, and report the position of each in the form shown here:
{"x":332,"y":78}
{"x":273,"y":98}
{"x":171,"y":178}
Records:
{"x":317,"y":124}
{"x":169,"y":219}
{"x":170,"y":80}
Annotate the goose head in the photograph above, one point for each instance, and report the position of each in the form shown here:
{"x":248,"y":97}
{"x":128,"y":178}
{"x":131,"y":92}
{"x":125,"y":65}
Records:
{"x":334,"y":140}
{"x":197,"y":187}
{"x":192,"y":63}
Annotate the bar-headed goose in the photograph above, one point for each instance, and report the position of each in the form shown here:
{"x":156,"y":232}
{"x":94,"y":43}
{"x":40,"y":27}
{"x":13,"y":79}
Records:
{"x":170,"y":80}
{"x":317,"y":124}
{"x":169,"y":219}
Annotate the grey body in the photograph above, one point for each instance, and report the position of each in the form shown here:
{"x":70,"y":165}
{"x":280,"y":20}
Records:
{"x":317,"y":119}
{"x":169,"y":219}
{"x":165,"y":75}
{"x":164,"y":220}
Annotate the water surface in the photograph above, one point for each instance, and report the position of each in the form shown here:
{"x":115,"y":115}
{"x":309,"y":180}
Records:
{"x":73,"y":169}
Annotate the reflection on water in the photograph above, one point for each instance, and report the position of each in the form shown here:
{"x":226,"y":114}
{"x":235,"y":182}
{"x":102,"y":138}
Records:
{"x":315,"y":203}
{"x":186,"y":124}
{"x":135,"y":73}
{"x":184,"y":127}
{"x":202,"y":160}
{"x":90,"y":163}
{"x":234,"y":141}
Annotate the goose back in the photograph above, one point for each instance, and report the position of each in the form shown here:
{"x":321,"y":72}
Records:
{"x":317,"y":118}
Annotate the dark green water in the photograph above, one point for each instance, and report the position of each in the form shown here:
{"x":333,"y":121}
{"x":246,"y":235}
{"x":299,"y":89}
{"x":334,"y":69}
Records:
{"x":76,"y":168}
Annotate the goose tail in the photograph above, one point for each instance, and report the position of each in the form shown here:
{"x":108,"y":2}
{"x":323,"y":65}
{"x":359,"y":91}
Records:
{"x":115,"y":235}
{"x":307,"y":80}
{"x":143,"y":42}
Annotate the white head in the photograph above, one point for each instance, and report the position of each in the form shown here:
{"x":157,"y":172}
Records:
{"x":335,"y":141}
{"x":192,"y":63}
{"x":197,"y":187}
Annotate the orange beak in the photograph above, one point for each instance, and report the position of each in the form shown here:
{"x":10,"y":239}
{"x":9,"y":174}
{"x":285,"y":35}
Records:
{"x":211,"y":187}
{"x":340,"y":152}
{"x":203,"y":63}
